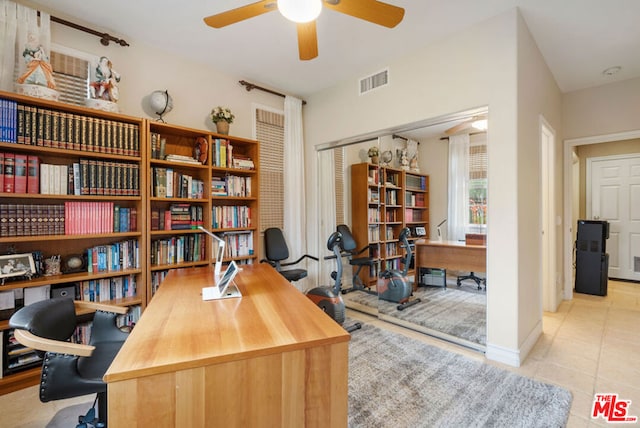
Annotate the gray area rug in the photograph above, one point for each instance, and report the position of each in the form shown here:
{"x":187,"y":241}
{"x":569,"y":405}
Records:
{"x":459,"y":312}
{"x":68,"y":416}
{"x":396,"y":381}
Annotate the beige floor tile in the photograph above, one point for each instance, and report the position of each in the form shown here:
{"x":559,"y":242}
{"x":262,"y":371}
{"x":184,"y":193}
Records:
{"x":577,"y":422}
{"x":569,"y":378}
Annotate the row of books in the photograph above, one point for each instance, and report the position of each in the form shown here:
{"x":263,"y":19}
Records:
{"x":414,"y":199}
{"x":158,"y":146}
{"x":230,"y":216}
{"x":168,"y":183}
{"x":83,"y":217}
{"x":223,"y":156}
{"x":21,"y":173}
{"x":18,"y":173}
{"x":178,"y":249}
{"x":31,"y":219}
{"x":156,"y":279}
{"x":105,"y":289}
{"x":231,"y":185}
{"x":177,"y":217}
{"x":391,"y":197}
{"x":411,"y":215}
{"x":26,"y":124}
{"x":416,"y":181}
{"x":114,"y":257}
{"x":238,"y":244}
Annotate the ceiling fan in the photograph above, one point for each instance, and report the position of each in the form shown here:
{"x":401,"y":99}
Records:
{"x":305,"y":12}
{"x":478,"y":123}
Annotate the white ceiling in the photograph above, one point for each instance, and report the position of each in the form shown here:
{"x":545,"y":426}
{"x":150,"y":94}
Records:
{"x":578,"y":38}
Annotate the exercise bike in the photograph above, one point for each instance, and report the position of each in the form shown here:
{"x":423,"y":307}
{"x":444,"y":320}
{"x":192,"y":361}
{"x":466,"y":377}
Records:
{"x":393,"y":284}
{"x":328,"y":298}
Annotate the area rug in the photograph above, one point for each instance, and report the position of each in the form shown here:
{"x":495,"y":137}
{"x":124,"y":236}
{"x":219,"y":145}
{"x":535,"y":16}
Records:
{"x":68,"y":416}
{"x":454,"y":311}
{"x":396,"y":381}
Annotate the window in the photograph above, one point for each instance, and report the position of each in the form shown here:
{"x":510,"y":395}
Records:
{"x":478,"y":182}
{"x":72,"y":73}
{"x":339,"y":184}
{"x":270,"y":133}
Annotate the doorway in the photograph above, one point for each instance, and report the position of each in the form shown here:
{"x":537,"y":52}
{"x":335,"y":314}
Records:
{"x":571,"y":186}
{"x":613,"y":194}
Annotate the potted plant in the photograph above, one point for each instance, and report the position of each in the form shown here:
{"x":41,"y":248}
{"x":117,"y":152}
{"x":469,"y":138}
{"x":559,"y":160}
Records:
{"x":373,"y":153}
{"x":222,"y":117}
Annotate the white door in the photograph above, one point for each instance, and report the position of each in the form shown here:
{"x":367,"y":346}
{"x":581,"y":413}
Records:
{"x":551,"y":290}
{"x":614,"y":195}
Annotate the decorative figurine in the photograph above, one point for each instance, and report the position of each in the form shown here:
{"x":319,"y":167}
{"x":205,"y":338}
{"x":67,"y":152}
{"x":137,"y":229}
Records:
{"x":104,"y":90}
{"x":37,"y":80}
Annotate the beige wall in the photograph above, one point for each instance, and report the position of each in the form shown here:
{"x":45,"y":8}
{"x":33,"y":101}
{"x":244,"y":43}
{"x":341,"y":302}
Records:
{"x":478,"y":67}
{"x":538,"y":95}
{"x":602,"y":110}
{"x":194,"y":87}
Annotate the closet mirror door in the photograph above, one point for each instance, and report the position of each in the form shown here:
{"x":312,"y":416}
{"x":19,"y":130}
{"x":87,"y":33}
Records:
{"x":420,"y":201}
{"x":349,"y":195}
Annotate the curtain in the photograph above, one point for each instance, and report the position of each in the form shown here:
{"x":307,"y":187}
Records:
{"x":294,"y":194}
{"x":20,"y":29}
{"x":458,"y":192}
{"x":327,"y":206}
{"x":8,"y":33}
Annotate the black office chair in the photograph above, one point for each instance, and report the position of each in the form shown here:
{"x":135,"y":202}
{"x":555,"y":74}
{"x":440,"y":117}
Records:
{"x":479,"y":281}
{"x":349,"y":246}
{"x":70,"y":369}
{"x":276,"y":251}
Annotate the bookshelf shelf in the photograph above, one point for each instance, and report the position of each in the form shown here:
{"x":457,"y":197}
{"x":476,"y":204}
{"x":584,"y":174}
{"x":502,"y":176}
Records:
{"x":382,"y":209}
{"x":84,"y":167}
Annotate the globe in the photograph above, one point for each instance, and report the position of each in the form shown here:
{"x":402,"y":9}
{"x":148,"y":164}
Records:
{"x":161,"y":103}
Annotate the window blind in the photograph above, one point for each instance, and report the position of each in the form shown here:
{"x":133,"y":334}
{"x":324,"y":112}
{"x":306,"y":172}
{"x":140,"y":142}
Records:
{"x":270,"y":133}
{"x":72,"y":77}
{"x":338,"y":158}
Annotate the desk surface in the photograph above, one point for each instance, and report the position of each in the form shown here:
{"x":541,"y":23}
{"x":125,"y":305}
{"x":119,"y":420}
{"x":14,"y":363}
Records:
{"x":179,"y":330}
{"x":454,"y":255}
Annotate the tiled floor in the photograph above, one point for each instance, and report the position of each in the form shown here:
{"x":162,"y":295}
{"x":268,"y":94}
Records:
{"x":590,"y":345}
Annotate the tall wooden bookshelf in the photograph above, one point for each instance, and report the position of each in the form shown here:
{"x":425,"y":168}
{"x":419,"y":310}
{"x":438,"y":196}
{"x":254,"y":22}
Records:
{"x":385,"y":200}
{"x":225,"y":200}
{"x":124,"y":151}
{"x":103,"y":220}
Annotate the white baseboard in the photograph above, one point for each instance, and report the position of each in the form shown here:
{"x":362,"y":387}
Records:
{"x":514,"y":357}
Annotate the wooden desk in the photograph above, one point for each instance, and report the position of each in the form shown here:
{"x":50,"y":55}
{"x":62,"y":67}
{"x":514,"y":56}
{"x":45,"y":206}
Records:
{"x":269,"y":359}
{"x":452,"y":255}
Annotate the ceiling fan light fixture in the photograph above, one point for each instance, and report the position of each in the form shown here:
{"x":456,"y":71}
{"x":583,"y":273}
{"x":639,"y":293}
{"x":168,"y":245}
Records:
{"x":300,"y":11}
{"x":480,"y":124}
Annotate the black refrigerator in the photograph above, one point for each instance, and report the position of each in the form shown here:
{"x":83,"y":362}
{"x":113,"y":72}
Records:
{"x":592,"y":260}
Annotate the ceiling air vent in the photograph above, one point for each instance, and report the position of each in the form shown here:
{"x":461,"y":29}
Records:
{"x":375,"y":81}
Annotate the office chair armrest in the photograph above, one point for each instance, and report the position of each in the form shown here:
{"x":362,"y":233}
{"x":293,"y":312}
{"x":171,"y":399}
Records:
{"x":361,"y":250}
{"x":299,"y":260}
{"x":30,"y":340}
{"x":93,"y":306}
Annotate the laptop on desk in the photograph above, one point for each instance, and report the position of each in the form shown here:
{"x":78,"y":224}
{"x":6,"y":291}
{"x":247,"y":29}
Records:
{"x":224,"y":287}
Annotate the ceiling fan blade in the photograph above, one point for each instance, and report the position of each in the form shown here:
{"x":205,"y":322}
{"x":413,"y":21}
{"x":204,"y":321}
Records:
{"x":370,"y":10}
{"x":240,"y":14}
{"x":307,"y":40}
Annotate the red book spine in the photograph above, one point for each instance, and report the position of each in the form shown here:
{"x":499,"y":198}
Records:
{"x":33,"y":174}
{"x":20,"y":173}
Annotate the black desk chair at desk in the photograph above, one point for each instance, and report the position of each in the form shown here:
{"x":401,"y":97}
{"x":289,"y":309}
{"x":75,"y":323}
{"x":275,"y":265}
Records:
{"x":276,"y":250}
{"x":70,"y":369}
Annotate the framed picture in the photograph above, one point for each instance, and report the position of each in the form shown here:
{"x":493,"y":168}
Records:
{"x":16,"y":265}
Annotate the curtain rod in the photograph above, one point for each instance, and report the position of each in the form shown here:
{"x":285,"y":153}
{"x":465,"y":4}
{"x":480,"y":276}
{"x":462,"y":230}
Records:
{"x":105,"y":38}
{"x":249,"y":86}
{"x":472,"y":133}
